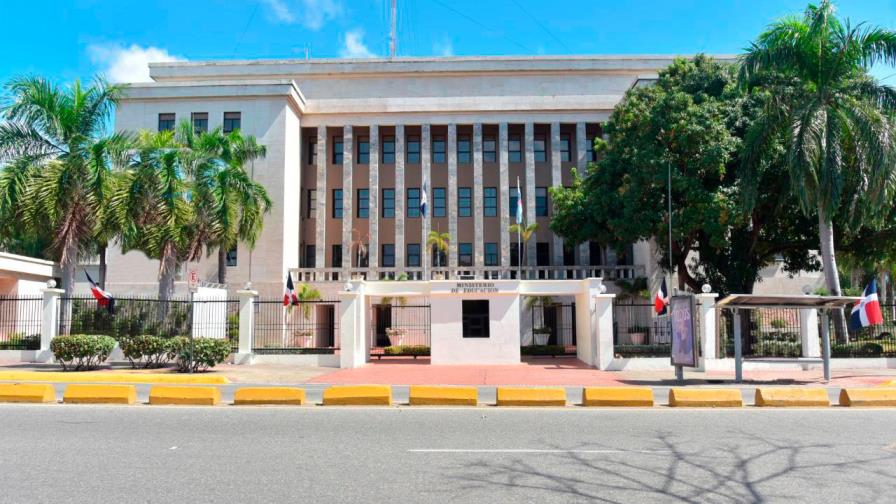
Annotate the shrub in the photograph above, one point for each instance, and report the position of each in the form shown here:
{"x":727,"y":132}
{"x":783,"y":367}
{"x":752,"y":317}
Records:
{"x":415,"y":350}
{"x":208,"y":353}
{"x":148,"y":351}
{"x":19,"y":341}
{"x":643,"y":350}
{"x":543,"y":350}
{"x":778,"y":324}
{"x":82,"y":351}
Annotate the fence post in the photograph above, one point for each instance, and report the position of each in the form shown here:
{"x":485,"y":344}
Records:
{"x":708,"y":333}
{"x":49,"y":327}
{"x":247,"y":326}
{"x":352,"y":325}
{"x":809,"y":333}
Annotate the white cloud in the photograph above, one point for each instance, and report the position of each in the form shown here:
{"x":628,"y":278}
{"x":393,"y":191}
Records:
{"x":127,"y":64}
{"x":444,"y":48}
{"x":353,"y":46}
{"x":311,"y":14}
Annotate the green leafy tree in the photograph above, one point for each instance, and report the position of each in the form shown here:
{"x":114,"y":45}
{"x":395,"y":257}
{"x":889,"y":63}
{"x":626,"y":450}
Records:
{"x":306,"y":296}
{"x":438,"y":242}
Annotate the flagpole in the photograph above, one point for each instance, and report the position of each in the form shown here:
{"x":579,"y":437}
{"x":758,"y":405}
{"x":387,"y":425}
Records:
{"x":519,"y":236}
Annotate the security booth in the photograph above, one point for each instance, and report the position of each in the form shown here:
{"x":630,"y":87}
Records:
{"x":740,"y":303}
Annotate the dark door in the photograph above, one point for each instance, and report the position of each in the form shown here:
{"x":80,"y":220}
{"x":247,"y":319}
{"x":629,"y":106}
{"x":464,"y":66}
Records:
{"x":383,"y":314}
{"x":550,"y":320}
{"x":329,"y":321}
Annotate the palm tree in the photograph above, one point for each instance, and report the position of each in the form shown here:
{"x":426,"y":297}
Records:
{"x":439,"y":243}
{"x":306,"y":296}
{"x":838,"y":120}
{"x":59,"y":164}
{"x":525,"y":233}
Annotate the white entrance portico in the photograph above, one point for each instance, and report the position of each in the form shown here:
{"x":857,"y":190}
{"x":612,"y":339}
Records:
{"x":478,"y":321}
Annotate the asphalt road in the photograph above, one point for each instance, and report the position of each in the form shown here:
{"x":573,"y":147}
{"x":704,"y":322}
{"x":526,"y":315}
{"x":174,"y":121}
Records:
{"x":71,"y":453}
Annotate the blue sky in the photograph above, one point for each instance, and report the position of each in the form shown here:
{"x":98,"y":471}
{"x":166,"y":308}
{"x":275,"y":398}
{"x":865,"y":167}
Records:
{"x":78,"y":38}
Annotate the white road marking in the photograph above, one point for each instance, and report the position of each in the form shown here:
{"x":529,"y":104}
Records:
{"x":523,"y":450}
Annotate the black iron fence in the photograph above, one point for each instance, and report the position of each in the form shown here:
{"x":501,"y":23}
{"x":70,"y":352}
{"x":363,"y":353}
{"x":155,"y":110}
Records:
{"x":20,"y":322}
{"x":309,"y":327}
{"x":554,"y":324}
{"x":765,"y":332}
{"x":400,"y":326}
{"x":638,"y":331}
{"x":874,"y":341}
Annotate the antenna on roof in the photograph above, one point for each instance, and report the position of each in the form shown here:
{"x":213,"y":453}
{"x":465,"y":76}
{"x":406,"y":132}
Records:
{"x":392,"y":31}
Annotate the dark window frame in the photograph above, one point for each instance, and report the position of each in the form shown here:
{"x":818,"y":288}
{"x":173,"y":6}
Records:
{"x":464,"y":149}
{"x":338,"y":150}
{"x":439,"y":149}
{"x":565,"y":144}
{"x":464,"y":251}
{"x":489,"y":149}
{"x":412,"y":202}
{"x":363,"y":150}
{"x":413,"y":256}
{"x":464,"y":202}
{"x":439,"y":202}
{"x":489,"y":202}
{"x":167,"y":121}
{"x":542,"y":203}
{"x":363,"y":196}
{"x":541,"y":155}
{"x":515,"y":155}
{"x":337,"y":204}
{"x":475,"y":318}
{"x":388,"y":203}
{"x":336,"y":253}
{"x":199,"y":120}
{"x":412,"y":149}
{"x":311,"y":210}
{"x":387,"y":253}
{"x":492,"y":257}
{"x":233,"y":121}
{"x":388,"y":150}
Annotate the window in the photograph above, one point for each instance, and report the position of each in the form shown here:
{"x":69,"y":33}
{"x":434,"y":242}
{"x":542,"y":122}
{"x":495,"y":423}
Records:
{"x":337,"y":203}
{"x":413,"y":149}
{"x":515,"y":254}
{"x":336,"y":257}
{"x":413,"y":256}
{"x":312,"y":152}
{"x":337,"y":150}
{"x":541,"y":201}
{"x":564,"y":147}
{"x":363,"y":203}
{"x":489,"y":150}
{"x":543,"y":254}
{"x":231,"y":258}
{"x":540,"y":149}
{"x":439,"y":202}
{"x":514,"y":149}
{"x":464,"y":254}
{"x":513,"y":203}
{"x":388,"y":203}
{"x":474,"y":318}
{"x":311,"y":209}
{"x":310,"y":253}
{"x":569,"y":254}
{"x":200,"y":122}
{"x":439,"y":258}
{"x":595,"y":253}
{"x":232,"y":121}
{"x":490,"y":201}
{"x":363,"y":150}
{"x":363,"y":260}
{"x":388,"y":253}
{"x":463,"y":149}
{"x":491,"y":254}
{"x":166,"y":122}
{"x":389,"y":149}
{"x":590,"y":153}
{"x":438,"y":149}
{"x":413,"y":208}
{"x":464,"y":202}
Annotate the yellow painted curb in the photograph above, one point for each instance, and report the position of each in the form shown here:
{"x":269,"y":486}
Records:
{"x":617,"y":396}
{"x":358,"y":395}
{"x":705,"y":398}
{"x":104,"y":377}
{"x":27,"y":393}
{"x":792,"y":397}
{"x":443,"y":396}
{"x":886,"y":384}
{"x":867,"y":397}
{"x":195,"y":396}
{"x":79,"y":393}
{"x":512,"y":396}
{"x":256,"y":396}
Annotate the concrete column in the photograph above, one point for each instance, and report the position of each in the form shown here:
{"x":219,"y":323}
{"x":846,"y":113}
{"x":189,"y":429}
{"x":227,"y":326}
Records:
{"x":530,"y":191}
{"x":478,"y":198}
{"x":49,"y":327}
{"x":348,"y":197}
{"x":400,"y":196}
{"x":353,"y":326}
{"x":809,"y":333}
{"x":582,"y":166}
{"x":452,"y":195}
{"x":247,"y":326}
{"x":504,"y":192}
{"x":373,"y":246}
{"x":320,"y":221}
{"x":426,"y":167}
{"x":594,"y":324}
{"x":556,"y":181}
{"x":706,"y":306}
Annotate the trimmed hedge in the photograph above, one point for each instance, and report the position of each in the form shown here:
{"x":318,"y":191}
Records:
{"x":415,"y":350}
{"x":208,"y":353}
{"x":643,"y":350}
{"x":19,"y":340}
{"x":149,"y":351}
{"x":81,"y":351}
{"x":543,"y":350}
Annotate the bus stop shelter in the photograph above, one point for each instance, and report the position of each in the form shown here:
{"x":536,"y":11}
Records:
{"x":824,"y":304}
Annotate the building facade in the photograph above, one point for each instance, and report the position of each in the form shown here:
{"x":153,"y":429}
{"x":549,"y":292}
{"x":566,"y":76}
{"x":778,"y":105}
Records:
{"x":354,"y":146}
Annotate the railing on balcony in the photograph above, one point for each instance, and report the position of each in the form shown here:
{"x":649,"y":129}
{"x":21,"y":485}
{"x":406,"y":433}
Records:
{"x":472,"y":273}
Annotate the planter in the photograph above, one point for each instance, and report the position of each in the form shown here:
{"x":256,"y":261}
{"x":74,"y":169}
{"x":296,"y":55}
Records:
{"x":302,"y":339}
{"x":438,"y":276}
{"x":541,"y":339}
{"x":396,"y":336}
{"x":638,"y":338}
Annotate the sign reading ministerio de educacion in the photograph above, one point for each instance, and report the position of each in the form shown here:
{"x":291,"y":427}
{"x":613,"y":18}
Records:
{"x":475,"y":287}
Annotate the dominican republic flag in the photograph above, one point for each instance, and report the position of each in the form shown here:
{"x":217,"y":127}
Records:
{"x":519,"y":203}
{"x":289,"y":295}
{"x":867,"y":311}
{"x":103,"y":298}
{"x":661,"y":300}
{"x":423,"y":201}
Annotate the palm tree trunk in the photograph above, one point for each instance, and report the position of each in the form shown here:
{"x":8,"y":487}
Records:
{"x":102,"y":269}
{"x":67,"y":266}
{"x":222,"y":265}
{"x":831,"y":276}
{"x":167,"y":269}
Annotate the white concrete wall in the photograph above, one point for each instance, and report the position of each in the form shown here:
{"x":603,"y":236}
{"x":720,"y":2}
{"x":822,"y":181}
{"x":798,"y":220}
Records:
{"x":501,"y":347}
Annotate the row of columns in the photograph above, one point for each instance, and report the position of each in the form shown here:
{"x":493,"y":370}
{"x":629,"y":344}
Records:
{"x":426,"y":162}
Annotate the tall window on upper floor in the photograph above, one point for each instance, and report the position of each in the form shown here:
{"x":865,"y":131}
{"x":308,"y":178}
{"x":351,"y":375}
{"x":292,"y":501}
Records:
{"x":514,"y":149}
{"x":388,"y":203}
{"x":464,"y":202}
{"x":438,"y":202}
{"x":438,"y":149}
{"x":464,"y":254}
{"x":363,"y":150}
{"x":413,"y":255}
{"x":590,"y":153}
{"x":541,"y":201}
{"x":388,"y":255}
{"x":363,"y":203}
{"x":413,"y":208}
{"x":569,"y":254}
{"x":166,"y":122}
{"x":200,"y":121}
{"x":543,"y":254}
{"x":489,"y":149}
{"x":311,"y":208}
{"x":491,"y":254}
{"x":312,"y":152}
{"x":336,"y":257}
{"x":514,"y":200}
{"x":540,"y":147}
{"x":308,"y":258}
{"x":337,"y":203}
{"x":490,"y":201}
{"x":564,"y":147}
{"x":463,"y":149}
{"x":389,"y":150}
{"x":337,"y":150}
{"x":232,"y":121}
{"x":413,"y":149}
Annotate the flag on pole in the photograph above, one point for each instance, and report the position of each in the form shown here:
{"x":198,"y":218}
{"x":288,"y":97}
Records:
{"x":423,"y":201}
{"x":289,"y":295}
{"x":661,"y":300}
{"x":867,"y":311}
{"x":103,"y":298}
{"x":519,"y":203}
